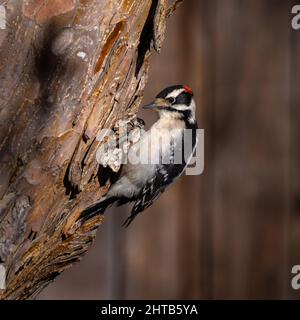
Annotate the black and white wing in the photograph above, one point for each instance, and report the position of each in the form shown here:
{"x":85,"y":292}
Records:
{"x":164,"y":176}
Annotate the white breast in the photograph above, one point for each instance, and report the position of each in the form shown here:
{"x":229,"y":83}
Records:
{"x":145,"y":155}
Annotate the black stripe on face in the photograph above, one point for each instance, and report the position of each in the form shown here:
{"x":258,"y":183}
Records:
{"x":186,"y":117}
{"x":184,"y":98}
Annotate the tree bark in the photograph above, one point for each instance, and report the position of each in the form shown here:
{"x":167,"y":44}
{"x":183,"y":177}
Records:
{"x":67,"y":68}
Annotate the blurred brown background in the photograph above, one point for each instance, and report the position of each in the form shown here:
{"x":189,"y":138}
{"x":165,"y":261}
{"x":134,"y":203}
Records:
{"x":234,"y":231}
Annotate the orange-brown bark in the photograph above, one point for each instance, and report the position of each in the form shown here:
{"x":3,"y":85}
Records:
{"x":67,"y":69}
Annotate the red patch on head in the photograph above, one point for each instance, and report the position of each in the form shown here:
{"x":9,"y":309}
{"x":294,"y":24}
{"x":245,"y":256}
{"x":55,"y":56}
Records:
{"x":188,"y":89}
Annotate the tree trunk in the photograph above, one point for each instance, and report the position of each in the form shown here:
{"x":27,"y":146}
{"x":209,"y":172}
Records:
{"x":67,"y":68}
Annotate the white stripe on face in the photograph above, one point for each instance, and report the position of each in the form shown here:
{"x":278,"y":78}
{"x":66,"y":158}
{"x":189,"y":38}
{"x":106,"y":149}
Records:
{"x":181,"y":107}
{"x":175,"y":93}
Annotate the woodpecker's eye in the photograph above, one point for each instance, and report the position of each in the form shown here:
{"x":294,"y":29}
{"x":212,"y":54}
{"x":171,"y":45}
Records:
{"x":171,"y":100}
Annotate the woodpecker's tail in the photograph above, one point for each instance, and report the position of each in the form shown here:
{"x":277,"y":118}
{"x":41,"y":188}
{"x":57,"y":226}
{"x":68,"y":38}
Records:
{"x":128,"y":221}
{"x":97,"y":208}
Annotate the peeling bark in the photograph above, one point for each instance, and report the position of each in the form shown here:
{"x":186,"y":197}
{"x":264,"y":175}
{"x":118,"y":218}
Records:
{"x":67,"y":68}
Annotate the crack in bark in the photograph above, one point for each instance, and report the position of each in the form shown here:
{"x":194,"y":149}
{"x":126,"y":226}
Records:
{"x":146,"y":37}
{"x":71,"y":190}
{"x":109,"y":44}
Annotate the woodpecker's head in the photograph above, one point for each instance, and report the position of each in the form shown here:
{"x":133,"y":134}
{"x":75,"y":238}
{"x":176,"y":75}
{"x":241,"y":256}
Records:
{"x":175,"y":101}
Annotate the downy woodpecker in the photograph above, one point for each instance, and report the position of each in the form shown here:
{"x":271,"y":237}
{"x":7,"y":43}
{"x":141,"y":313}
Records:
{"x":143,"y":183}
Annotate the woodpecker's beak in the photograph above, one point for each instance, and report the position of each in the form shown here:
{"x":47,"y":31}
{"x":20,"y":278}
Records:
{"x":157,"y":104}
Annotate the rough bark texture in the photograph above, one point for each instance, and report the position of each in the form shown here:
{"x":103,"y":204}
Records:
{"x":67,"y":68}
